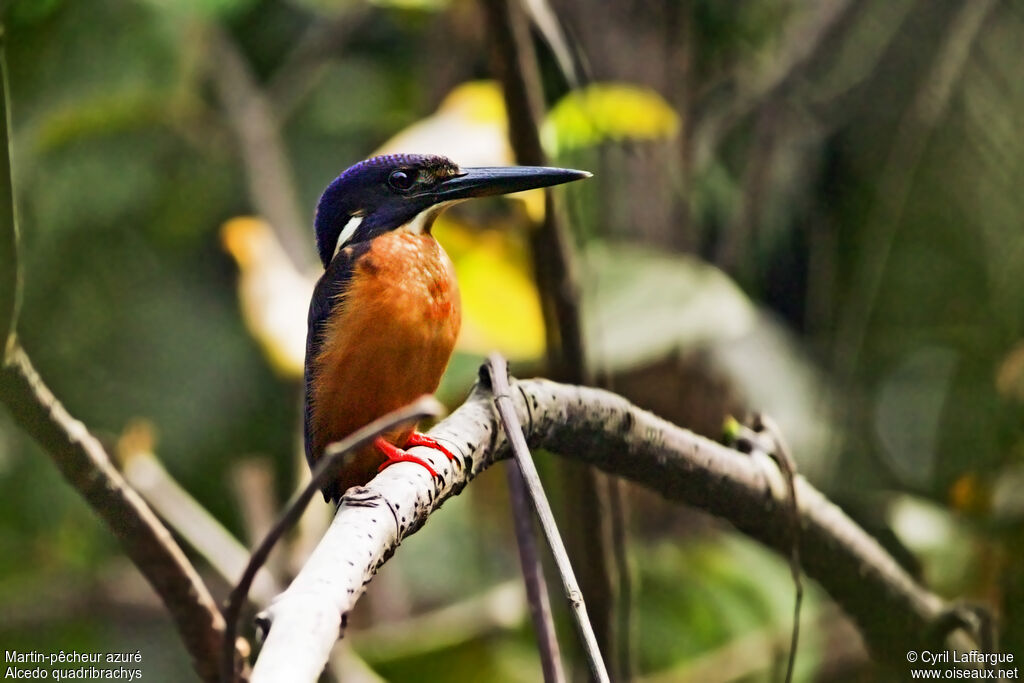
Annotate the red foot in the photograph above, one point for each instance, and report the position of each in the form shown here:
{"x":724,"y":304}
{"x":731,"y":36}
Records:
{"x":395,"y":454}
{"x":418,"y":439}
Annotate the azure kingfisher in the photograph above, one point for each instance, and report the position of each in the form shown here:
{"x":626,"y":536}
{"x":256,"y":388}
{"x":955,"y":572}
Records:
{"x":385,"y":314}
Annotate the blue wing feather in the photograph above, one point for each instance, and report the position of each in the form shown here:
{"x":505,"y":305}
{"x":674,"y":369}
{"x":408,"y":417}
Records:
{"x":329,"y":288}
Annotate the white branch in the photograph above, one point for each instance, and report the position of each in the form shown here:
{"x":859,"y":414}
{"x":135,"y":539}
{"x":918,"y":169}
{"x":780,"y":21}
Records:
{"x":310,"y":615}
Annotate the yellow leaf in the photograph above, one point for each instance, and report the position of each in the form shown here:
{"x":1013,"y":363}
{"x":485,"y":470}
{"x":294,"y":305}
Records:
{"x":608,"y":111}
{"x":272,"y":294}
{"x":469,"y":127}
{"x":500,"y":303}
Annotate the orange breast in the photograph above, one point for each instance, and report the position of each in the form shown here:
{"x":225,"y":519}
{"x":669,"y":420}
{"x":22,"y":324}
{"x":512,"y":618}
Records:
{"x":387,"y":343}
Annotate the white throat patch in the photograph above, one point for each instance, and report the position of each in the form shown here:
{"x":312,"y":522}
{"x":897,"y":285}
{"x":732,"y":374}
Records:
{"x":424,"y":219}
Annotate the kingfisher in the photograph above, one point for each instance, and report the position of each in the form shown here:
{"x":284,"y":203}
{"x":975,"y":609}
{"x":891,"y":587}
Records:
{"x":385,"y":314}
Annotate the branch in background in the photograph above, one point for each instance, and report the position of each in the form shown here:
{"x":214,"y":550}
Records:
{"x":896,"y":180}
{"x":301,"y":71}
{"x":802,"y":50}
{"x":895,"y":614}
{"x":311,"y":526}
{"x":251,"y":118}
{"x":10,"y":273}
{"x":498,"y":609}
{"x":754,"y":656}
{"x":252,"y":482}
{"x":550,"y":243}
{"x":86,"y":466}
{"x":588,"y":494}
{"x":348,"y":667}
{"x":183,"y":513}
{"x":497,"y":370}
{"x":741,"y":239}
{"x":545,"y":20}
{"x":533,"y":579}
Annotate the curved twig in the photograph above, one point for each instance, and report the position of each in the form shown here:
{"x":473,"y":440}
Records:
{"x":326,"y":467}
{"x":497,"y":369}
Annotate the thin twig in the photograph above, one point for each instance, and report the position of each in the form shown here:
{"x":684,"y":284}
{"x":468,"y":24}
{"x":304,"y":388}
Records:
{"x":189,"y":519}
{"x":10,"y":274}
{"x":498,"y":370}
{"x":586,"y":491}
{"x":264,"y":158}
{"x":779,"y":452}
{"x":143,"y":469}
{"x":546,"y":21}
{"x":533,"y":578}
{"x":326,"y":467}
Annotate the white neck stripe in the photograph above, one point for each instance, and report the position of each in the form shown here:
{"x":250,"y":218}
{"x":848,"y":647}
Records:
{"x":346,"y":233}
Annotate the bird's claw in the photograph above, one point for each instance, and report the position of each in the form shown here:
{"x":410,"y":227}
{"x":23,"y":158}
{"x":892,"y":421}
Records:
{"x":393,"y":454}
{"x":421,"y":439}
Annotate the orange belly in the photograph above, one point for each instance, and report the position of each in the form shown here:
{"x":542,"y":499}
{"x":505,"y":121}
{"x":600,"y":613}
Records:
{"x":387,"y":343}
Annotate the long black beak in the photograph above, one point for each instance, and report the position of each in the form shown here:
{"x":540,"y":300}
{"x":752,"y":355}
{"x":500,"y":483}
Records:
{"x":488,"y":181}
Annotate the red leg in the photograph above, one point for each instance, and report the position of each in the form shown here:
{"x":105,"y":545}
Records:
{"x":419,"y":439}
{"x":395,"y":454}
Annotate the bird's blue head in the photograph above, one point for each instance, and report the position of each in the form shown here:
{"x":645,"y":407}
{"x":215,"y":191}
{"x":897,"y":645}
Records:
{"x":387,"y":192}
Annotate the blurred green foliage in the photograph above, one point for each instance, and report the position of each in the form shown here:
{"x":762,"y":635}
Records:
{"x":855,"y":167}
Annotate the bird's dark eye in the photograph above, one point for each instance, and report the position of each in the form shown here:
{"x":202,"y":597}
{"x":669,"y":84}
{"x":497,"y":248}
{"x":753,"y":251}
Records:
{"x":401,"y":180}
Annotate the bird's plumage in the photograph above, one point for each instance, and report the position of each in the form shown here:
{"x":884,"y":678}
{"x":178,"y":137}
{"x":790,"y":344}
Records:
{"x":390,"y":330}
{"x":385,"y":315}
